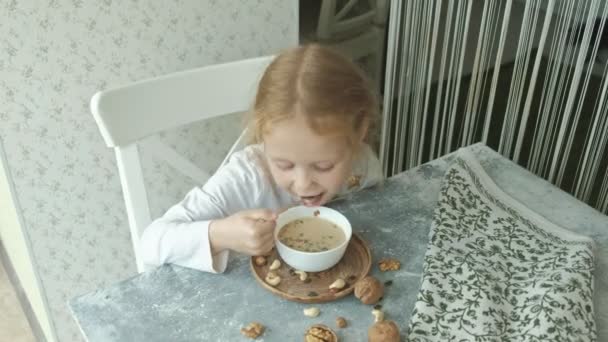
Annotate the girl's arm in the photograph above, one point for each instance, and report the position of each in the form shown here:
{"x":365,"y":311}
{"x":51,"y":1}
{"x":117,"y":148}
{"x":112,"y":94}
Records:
{"x":181,"y":236}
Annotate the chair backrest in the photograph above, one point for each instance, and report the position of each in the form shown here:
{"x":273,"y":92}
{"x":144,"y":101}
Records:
{"x":135,"y":111}
{"x":343,"y":18}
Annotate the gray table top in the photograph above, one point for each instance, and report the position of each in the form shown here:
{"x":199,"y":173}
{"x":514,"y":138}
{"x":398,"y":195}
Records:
{"x":172,"y":303}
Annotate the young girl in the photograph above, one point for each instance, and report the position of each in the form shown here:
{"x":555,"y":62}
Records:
{"x":311,"y":115}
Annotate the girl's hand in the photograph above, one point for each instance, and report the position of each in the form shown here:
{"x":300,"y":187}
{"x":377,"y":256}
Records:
{"x":249,"y":232}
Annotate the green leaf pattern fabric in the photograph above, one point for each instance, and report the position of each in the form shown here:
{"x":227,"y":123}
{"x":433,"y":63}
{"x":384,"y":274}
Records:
{"x":496,"y":271}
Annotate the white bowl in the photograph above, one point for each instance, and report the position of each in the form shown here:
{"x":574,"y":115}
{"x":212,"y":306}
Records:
{"x":308,"y":261}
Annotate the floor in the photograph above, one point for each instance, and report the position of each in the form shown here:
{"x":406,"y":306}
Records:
{"x":14,"y":325}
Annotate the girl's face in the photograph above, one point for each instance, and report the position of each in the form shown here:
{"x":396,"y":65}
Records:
{"x":311,"y":167}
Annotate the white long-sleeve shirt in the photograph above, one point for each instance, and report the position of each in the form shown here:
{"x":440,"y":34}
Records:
{"x":181,"y":235}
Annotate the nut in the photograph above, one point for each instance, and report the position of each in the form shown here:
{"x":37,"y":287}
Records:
{"x":353,"y":181}
{"x":320,"y":333}
{"x":311,"y":312}
{"x":337,"y":285}
{"x":385,"y":331}
{"x":378,"y":315}
{"x":275,"y":265}
{"x":341,"y":322}
{"x":369,"y":290}
{"x":303,"y":275}
{"x":273,"y":279}
{"x":260,"y":260}
{"x":253,"y":330}
{"x":389,"y":264}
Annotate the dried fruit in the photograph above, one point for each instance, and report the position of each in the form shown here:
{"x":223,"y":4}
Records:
{"x":341,"y":322}
{"x":369,"y":290}
{"x":253,"y":330}
{"x":389,"y":264}
{"x":320,"y":333}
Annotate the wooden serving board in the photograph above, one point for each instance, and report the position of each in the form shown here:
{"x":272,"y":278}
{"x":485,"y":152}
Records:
{"x":354,"y":265}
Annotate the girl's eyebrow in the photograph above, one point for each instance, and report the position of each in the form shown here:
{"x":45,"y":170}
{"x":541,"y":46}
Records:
{"x":280,"y":160}
{"x":283,"y":160}
{"x":324,"y":162}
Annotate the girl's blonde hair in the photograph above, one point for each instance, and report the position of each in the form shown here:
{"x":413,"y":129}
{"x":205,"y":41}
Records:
{"x":328,"y":89}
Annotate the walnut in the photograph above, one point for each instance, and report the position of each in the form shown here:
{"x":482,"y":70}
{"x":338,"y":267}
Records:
{"x":385,"y":331}
{"x":341,"y":322}
{"x":353,"y":181}
{"x":369,"y":290}
{"x":389,"y":264}
{"x":253,"y":330}
{"x":320,"y":333}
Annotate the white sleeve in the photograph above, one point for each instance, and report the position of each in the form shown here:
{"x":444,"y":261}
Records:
{"x":181,"y":236}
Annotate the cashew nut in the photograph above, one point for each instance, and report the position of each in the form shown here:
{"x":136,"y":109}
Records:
{"x":303,"y":275}
{"x":378,"y":315}
{"x":311,"y":312}
{"x":273,"y":279}
{"x":275,"y":265}
{"x":337,"y":285}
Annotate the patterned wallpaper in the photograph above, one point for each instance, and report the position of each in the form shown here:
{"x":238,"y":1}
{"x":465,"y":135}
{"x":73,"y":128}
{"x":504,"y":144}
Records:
{"x":54,"y":55}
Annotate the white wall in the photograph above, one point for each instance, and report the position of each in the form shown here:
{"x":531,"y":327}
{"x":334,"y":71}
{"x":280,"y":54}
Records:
{"x":55,"y":54}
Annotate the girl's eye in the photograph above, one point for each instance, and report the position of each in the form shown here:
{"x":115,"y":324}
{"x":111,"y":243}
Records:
{"x":324,"y":168}
{"x":284,"y":166}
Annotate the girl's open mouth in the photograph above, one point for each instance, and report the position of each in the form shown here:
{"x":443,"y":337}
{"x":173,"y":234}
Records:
{"x":312,"y":201}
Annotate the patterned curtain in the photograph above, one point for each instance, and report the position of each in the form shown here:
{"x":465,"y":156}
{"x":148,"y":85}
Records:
{"x":527,"y":78}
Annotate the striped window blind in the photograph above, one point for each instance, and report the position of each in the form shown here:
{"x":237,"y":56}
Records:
{"x":527,"y":78}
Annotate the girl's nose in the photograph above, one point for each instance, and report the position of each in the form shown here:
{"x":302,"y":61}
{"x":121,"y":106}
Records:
{"x":302,"y":182}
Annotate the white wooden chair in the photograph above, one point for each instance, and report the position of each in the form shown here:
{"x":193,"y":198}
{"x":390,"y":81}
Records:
{"x":355,"y":33}
{"x":127,"y":114}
